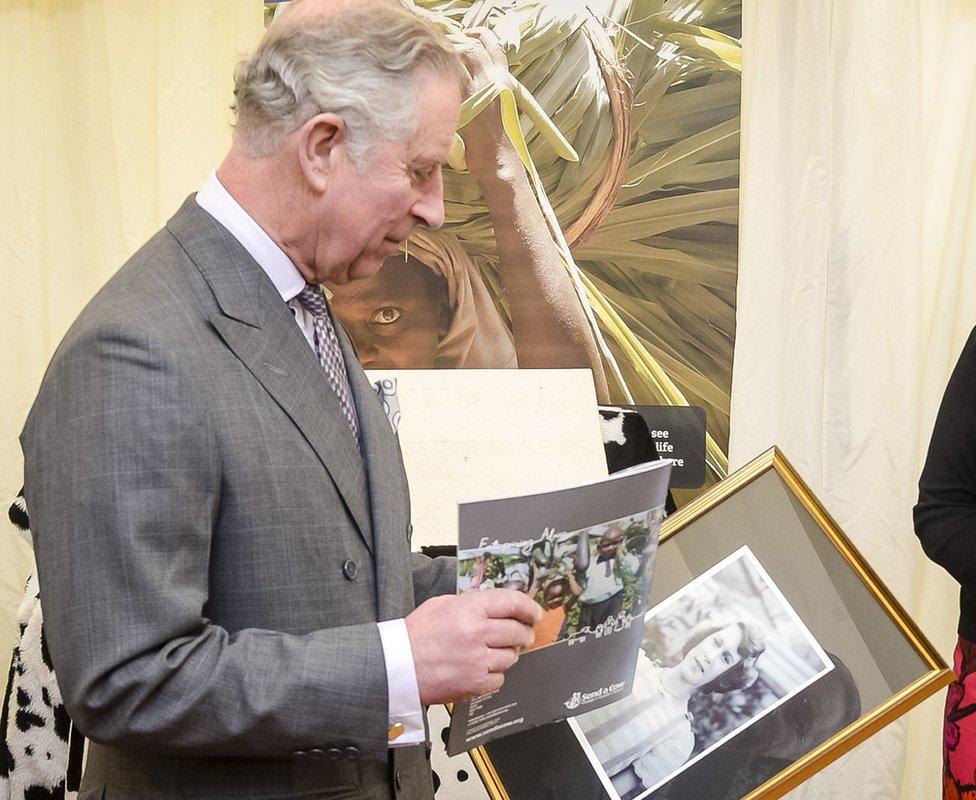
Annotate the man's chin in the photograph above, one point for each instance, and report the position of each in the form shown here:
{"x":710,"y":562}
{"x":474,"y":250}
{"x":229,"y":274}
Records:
{"x":361,"y":270}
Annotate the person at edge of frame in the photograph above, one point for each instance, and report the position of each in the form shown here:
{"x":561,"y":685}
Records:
{"x":945,"y":521}
{"x":220,"y":512}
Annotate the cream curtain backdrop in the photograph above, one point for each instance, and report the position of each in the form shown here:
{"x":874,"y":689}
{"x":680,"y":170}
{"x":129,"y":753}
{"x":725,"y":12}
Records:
{"x":857,"y":209}
{"x":113,"y":111}
{"x":857,"y":288}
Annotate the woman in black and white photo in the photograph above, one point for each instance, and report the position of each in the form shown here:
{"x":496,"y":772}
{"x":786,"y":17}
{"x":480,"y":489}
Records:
{"x":642,"y":739}
{"x":739,"y":651}
{"x":773,"y":743}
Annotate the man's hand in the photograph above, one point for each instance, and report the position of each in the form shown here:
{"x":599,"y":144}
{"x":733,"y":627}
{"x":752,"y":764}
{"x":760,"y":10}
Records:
{"x":462,"y":644}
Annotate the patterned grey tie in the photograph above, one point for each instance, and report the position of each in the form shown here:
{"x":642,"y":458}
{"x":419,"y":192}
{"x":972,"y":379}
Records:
{"x":329,"y":353}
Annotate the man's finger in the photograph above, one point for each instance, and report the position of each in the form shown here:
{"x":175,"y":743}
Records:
{"x":501,"y":658}
{"x":501,"y":603}
{"x":492,"y":682}
{"x":508,"y":633}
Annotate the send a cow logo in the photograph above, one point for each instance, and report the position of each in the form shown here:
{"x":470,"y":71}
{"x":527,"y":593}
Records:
{"x":584,"y":698}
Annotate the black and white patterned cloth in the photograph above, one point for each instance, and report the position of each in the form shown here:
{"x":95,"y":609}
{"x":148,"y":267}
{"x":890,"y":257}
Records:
{"x":35,"y":727}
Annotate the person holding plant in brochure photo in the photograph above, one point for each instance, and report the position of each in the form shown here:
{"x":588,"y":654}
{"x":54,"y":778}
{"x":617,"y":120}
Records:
{"x":558,"y":595}
{"x":603,"y":577}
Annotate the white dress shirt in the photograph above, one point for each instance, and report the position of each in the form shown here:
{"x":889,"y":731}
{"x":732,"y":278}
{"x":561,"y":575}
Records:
{"x":401,"y":675}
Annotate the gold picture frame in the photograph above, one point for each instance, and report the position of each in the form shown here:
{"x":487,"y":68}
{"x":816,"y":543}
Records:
{"x":896,"y":665}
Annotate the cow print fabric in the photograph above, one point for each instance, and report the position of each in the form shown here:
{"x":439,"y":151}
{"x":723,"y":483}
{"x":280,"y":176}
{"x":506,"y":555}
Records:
{"x":34,"y":724}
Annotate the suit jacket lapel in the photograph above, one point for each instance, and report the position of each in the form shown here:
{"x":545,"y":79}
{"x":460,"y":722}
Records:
{"x":261,"y":331}
{"x":388,"y":491}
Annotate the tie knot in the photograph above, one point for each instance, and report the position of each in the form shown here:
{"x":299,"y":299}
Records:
{"x":312,"y":298}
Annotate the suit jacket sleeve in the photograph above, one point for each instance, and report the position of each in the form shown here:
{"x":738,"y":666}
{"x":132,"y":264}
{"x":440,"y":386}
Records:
{"x":433,"y":576}
{"x":945,"y":517}
{"x":124,"y":483}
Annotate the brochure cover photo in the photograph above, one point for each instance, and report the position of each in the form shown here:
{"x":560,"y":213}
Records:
{"x":585,"y":555}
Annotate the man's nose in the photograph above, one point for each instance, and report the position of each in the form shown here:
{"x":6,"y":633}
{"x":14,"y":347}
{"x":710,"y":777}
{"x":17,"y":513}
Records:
{"x":429,"y":208}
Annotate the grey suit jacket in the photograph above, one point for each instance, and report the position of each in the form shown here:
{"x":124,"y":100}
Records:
{"x":212,"y":550}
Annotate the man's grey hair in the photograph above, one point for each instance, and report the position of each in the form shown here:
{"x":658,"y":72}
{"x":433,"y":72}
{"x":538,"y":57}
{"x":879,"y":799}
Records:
{"x":361,"y":63}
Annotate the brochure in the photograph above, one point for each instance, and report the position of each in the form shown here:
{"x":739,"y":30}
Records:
{"x":585,"y":554}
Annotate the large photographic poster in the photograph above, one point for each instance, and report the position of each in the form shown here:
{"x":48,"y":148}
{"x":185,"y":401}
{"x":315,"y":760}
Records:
{"x":646,"y":94}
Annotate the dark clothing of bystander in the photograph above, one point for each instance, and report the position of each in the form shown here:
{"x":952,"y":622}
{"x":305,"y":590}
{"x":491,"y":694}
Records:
{"x":945,"y":517}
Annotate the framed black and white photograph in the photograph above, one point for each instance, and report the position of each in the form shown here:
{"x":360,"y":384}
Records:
{"x":819,"y":656}
{"x":718,"y":655}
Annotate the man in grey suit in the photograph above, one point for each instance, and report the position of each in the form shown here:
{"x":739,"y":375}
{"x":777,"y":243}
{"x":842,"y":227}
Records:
{"x":220,"y":512}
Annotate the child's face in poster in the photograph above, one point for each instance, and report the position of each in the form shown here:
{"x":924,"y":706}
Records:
{"x":395,"y":318}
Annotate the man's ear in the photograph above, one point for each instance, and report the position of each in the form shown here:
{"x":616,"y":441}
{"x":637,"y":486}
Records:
{"x":322,"y":144}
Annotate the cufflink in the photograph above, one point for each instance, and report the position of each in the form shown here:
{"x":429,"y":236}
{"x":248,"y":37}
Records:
{"x":396,"y":730}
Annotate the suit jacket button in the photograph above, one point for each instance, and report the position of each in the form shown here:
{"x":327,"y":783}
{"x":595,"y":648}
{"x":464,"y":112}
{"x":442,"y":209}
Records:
{"x":398,"y":780}
{"x":409,"y":531}
{"x":349,"y":569}
{"x":299,"y":754}
{"x":351,"y":752}
{"x":316,"y":753}
{"x":334,"y":753}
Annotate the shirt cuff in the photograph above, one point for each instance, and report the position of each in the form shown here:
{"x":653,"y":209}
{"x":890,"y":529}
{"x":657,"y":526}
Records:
{"x":405,"y":712}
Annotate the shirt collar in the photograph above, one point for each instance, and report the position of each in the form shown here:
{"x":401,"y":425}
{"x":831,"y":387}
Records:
{"x":219,"y":204}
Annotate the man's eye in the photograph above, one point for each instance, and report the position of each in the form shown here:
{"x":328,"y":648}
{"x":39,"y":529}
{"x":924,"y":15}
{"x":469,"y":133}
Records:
{"x":385,"y":315}
{"x":423,"y":175}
